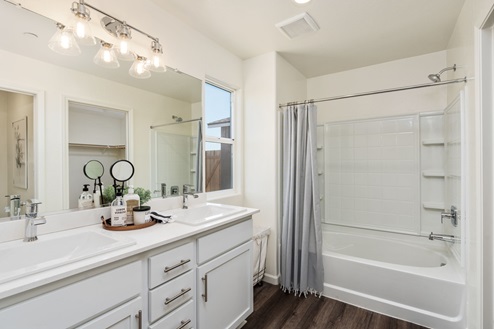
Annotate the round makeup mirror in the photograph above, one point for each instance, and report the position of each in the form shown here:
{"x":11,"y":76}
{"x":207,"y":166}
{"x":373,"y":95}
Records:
{"x":122,"y":170}
{"x":93,"y":169}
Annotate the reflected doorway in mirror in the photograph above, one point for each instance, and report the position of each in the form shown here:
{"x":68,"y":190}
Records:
{"x":19,"y":130}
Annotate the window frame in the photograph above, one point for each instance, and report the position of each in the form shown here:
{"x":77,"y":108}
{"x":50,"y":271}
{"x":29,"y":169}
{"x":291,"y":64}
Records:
{"x":222,"y":140}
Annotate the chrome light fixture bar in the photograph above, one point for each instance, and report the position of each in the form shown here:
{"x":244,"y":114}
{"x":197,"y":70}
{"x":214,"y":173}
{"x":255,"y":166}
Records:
{"x":108,"y":54}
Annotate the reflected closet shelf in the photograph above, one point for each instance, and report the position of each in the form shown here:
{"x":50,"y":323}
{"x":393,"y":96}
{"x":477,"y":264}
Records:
{"x":120,"y":147}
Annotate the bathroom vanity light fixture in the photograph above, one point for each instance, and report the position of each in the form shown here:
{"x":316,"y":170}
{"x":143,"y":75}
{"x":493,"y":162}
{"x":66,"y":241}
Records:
{"x":65,"y":42}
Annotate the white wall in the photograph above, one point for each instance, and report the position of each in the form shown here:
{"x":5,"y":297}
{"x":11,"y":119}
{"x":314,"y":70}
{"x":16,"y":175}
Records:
{"x":399,"y":73}
{"x":268,"y":81}
{"x":260,"y":171}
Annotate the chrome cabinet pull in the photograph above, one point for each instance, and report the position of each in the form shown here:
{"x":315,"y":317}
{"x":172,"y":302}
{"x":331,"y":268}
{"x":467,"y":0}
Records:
{"x":182,"y":262}
{"x":205,"y":294}
{"x":139,"y":319}
{"x":180,"y":294}
{"x":183,"y":324}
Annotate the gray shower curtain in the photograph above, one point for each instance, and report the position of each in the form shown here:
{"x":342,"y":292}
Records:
{"x":301,"y":238}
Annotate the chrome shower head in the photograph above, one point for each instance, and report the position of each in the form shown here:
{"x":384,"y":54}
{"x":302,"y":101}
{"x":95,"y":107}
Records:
{"x":434,"y":77}
{"x":437,"y":77}
{"x":176,"y":118}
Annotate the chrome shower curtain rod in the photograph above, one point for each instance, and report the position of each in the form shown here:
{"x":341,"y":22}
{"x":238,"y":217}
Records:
{"x":175,"y":123}
{"x":376,"y":92}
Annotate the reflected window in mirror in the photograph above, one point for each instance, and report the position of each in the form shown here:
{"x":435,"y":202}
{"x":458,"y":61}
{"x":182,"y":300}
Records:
{"x":219,"y":138}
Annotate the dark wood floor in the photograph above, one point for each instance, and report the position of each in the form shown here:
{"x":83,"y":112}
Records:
{"x":274,"y":309}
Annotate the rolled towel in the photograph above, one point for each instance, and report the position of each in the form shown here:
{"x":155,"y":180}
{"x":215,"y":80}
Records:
{"x":161,"y":218}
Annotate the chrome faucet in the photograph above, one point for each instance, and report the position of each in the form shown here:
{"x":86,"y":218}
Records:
{"x":452,"y":215}
{"x":444,"y":237}
{"x":14,"y":207}
{"x":188,"y":190}
{"x":32,"y":220}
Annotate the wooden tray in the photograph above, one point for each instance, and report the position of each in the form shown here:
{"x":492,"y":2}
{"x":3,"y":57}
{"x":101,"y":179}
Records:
{"x":107,"y":226}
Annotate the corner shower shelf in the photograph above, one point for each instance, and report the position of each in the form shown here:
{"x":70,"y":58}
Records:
{"x":433,"y":205}
{"x":433,"y":141}
{"x":433,"y":173}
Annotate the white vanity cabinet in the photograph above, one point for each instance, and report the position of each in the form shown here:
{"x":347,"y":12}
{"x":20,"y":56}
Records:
{"x":171,"y":285}
{"x":98,"y":298}
{"x":224,"y":277}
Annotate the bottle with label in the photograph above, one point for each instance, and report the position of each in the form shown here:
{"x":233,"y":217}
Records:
{"x":118,"y":210}
{"x":85,"y":199}
{"x":132,"y":201}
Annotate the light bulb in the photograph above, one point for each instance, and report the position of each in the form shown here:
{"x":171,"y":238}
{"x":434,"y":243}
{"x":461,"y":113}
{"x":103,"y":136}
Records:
{"x":138,"y":69}
{"x":63,"y":42}
{"x":106,"y":56}
{"x":82,"y":31}
{"x":124,"y":47}
{"x":156,"y":63}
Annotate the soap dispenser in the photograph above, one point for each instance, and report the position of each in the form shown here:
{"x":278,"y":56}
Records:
{"x":132,"y":200}
{"x":86,"y":198}
{"x":118,"y":209}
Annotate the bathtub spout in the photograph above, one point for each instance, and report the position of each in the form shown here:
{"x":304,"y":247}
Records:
{"x":444,"y":237}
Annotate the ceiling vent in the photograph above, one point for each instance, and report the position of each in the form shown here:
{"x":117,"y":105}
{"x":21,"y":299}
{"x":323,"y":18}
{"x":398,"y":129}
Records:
{"x":298,"y":25}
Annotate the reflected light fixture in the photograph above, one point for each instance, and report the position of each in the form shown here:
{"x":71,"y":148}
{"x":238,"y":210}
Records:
{"x":82,"y":31}
{"x":138,"y":69}
{"x":123,"y":34}
{"x":63,"y":42}
{"x":106,"y":56}
{"x":156,"y":62}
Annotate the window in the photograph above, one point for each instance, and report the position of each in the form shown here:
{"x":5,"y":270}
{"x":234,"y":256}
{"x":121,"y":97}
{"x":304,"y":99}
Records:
{"x":219,"y":141}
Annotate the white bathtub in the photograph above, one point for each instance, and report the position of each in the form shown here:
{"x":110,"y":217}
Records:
{"x":417,"y":281}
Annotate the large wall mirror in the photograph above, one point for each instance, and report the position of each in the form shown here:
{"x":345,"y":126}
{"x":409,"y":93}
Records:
{"x":30,"y":68}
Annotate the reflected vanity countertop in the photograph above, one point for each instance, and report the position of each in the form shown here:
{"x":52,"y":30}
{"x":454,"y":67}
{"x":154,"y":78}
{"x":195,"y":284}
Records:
{"x":142,"y":240}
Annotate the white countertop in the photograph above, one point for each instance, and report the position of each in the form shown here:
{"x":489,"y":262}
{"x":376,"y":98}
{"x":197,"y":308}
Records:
{"x":145,"y":239}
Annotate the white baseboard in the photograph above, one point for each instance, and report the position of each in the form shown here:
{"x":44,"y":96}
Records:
{"x":271,"y":279}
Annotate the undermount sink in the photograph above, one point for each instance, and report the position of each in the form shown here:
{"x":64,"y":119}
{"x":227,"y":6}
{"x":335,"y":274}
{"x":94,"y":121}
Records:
{"x":25,"y":258}
{"x":205,"y":213}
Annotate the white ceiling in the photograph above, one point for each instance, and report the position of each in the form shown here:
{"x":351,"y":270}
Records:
{"x":353,"y":33}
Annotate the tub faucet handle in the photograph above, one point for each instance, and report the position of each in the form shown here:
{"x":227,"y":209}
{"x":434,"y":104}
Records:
{"x":452,"y":214}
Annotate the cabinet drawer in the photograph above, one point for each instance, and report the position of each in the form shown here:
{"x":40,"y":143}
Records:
{"x":216,"y":243}
{"x":74,"y":303}
{"x":170,"y":295}
{"x":170,"y":264}
{"x":183,"y":318}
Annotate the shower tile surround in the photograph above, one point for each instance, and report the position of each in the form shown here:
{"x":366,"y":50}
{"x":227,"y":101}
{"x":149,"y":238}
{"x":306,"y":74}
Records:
{"x":372,"y":174}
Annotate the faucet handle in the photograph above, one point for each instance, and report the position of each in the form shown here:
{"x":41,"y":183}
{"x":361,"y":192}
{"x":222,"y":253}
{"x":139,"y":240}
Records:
{"x":32,"y":207}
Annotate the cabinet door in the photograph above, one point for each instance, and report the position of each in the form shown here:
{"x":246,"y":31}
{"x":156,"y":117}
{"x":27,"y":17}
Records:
{"x":127,"y":316}
{"x":225,"y":289}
